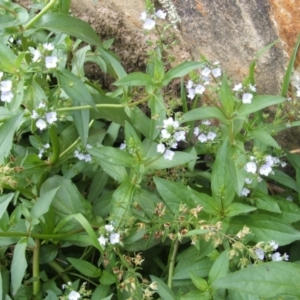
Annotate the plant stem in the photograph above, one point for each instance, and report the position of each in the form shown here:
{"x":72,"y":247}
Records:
{"x":40,"y":14}
{"x":36,"y":268}
{"x":55,"y":146}
{"x":61,"y":272}
{"x":172,"y":260}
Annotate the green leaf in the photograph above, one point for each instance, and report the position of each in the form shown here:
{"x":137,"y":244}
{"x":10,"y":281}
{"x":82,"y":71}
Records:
{"x":135,"y":79}
{"x":4,"y":201}
{"x":258,"y":103}
{"x":202,"y":113}
{"x":79,"y":60}
{"x":7,"y":59}
{"x":265,"y":228}
{"x":57,"y":22}
{"x":235,"y":209}
{"x":180,"y":71}
{"x":226,"y":96}
{"x":265,"y":202}
{"x":162,"y":289}
{"x":7,"y":131}
{"x":120,"y":203}
{"x":100,"y":292}
{"x":220,"y":267}
{"x":264,"y":137}
{"x":47,"y":253}
{"x":266,"y":280}
{"x":200,"y":283}
{"x":113,"y":156}
{"x":196,"y":295}
{"x":85,"y":267}
{"x":18,"y":265}
{"x":235,"y":295}
{"x":107,"y":278}
{"x":284,"y":179}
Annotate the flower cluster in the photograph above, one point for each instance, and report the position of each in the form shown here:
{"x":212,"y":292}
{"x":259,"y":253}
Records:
{"x":43,"y":117}
{"x":81,"y":153}
{"x":109,"y":236}
{"x":198,"y":88}
{"x":264,"y":251}
{"x":44,"y":52}
{"x":170,"y":135}
{"x":170,"y":8}
{"x":44,"y":149}
{"x":204,"y":132}
{"x":149,"y":22}
{"x":247,"y":92}
{"x":5,"y":88}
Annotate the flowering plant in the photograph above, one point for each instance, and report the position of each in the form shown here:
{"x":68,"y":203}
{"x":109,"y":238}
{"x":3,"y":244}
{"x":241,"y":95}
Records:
{"x":117,"y":194}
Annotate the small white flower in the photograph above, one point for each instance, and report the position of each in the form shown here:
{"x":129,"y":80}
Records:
{"x":41,"y":124}
{"x":274,"y":245}
{"x":205,"y":72}
{"x":169,"y":154}
{"x":48,"y":46}
{"x":143,"y":16}
{"x":260,"y":253}
{"x":74,"y":295}
{"x":245,"y":192}
{"x":51,"y":117}
{"x":276,"y":257}
{"x":191,"y":94}
{"x":247,"y":98}
{"x":251,"y":167}
{"x":206,"y":80}
{"x":216,"y":72}
{"x":41,"y":152}
{"x":161,"y":14}
{"x":196,"y":130}
{"x":252,"y":88}
{"x":114,"y":238}
{"x":102,"y":240}
{"x":41,"y":105}
{"x":36,"y":55}
{"x":149,"y":24}
{"x":190,"y":84}
{"x":298,"y":93}
{"x":206,"y":122}
{"x":289,"y":198}
{"x":7,"y":96}
{"x":174,"y":145}
{"x":122,"y":146}
{"x":179,"y":135}
{"x":6,"y":85}
{"x":34,"y":115}
{"x":165,"y":134}
{"x":237,"y":87}
{"x":202,"y":138}
{"x":160,"y":148}
{"x":46,"y":146}
{"x":88,"y":146}
{"x":109,"y":228}
{"x":211,"y":135}
{"x":199,"y":89}
{"x":283,"y":164}
{"x":265,"y":170}
{"x":51,"y":62}
{"x":87,"y":157}
{"x":285,"y":257}
{"x":248,"y":180}
{"x":169,"y":122}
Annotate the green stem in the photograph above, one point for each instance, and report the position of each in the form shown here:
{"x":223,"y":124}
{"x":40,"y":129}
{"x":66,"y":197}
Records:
{"x":8,"y":10}
{"x":172,"y":260}
{"x":40,"y":14}
{"x":60,"y":271}
{"x":36,"y":268}
{"x":55,"y":146}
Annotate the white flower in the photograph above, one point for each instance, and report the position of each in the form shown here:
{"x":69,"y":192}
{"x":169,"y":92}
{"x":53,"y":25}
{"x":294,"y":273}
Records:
{"x":87,"y":157}
{"x":170,"y":122}
{"x":41,"y":124}
{"x":143,"y":16}
{"x":102,"y":240}
{"x":211,"y":136}
{"x":199,"y":89}
{"x":179,"y":135}
{"x":265,"y":170}
{"x":109,"y":228}
{"x":114,"y":238}
{"x":276,"y":257}
{"x":51,"y":62}
{"x":48,"y":46}
{"x":74,"y":295}
{"x":122,"y":146}
{"x":42,"y":105}
{"x":7,"y":96}
{"x":205,"y":72}
{"x":34,"y":115}
{"x":190,"y":84}
{"x":274,"y":245}
{"x":161,"y":14}
{"x":88,"y":146}
{"x":285,"y":257}
{"x":160,"y":148}
{"x":174,"y":145}
{"x":165,"y":134}
{"x":237,"y":87}
{"x":283,"y":164}
{"x":206,"y":122}
{"x":251,"y":167}
{"x":191,"y":94}
{"x":1,"y":74}
{"x":36,"y":55}
{"x":260,"y":253}
{"x":169,"y":154}
{"x":245,"y":192}
{"x":205,"y":79}
{"x":248,"y":180}
{"x":46,"y":146}
{"x":298,"y":93}
{"x":5,"y":86}
{"x":149,"y":24}
{"x":252,"y":88}
{"x":41,"y":152}
{"x":247,"y":98}
{"x":202,"y":138}
{"x":216,"y":72}
{"x":289,"y":198}
{"x":51,"y":117}
{"x":196,"y":130}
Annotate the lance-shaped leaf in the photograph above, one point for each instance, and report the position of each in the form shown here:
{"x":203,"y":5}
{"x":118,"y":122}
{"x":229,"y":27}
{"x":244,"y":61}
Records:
{"x":135,"y":79}
{"x":202,"y":113}
{"x":7,"y":59}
